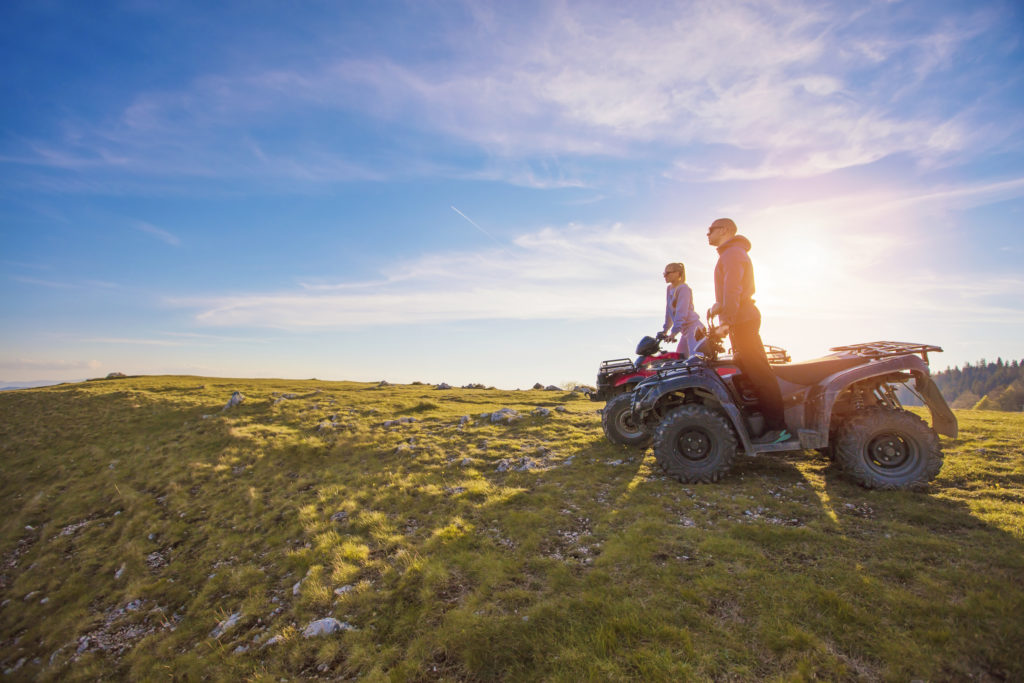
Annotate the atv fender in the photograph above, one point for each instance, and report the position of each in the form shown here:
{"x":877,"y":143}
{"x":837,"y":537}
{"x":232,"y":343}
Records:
{"x":649,"y":393}
{"x":822,"y":398}
{"x":943,"y":420}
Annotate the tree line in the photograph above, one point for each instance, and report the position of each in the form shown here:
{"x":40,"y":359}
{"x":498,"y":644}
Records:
{"x":985,"y":385}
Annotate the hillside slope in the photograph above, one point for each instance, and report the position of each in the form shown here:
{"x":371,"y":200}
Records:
{"x":146,"y":533}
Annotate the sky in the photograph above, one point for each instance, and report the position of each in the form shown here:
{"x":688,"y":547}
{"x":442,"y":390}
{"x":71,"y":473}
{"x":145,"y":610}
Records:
{"x":488,"y":192}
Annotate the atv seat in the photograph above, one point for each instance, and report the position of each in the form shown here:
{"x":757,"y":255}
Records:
{"x":810,"y":372}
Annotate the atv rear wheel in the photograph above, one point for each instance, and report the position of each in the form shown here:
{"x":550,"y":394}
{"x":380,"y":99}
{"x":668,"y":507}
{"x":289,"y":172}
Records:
{"x":618,"y":424}
{"x":695,"y":444}
{"x":881,"y":448}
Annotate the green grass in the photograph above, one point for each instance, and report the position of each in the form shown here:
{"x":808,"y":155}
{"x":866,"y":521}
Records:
{"x":132,"y":526}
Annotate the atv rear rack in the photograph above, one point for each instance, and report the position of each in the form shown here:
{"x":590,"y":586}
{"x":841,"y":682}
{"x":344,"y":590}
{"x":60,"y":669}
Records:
{"x":887,"y":349}
{"x":776,"y":354}
{"x":616,"y":365}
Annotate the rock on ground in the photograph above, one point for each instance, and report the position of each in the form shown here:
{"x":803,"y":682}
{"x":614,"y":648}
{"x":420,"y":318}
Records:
{"x":236,"y":398}
{"x":399,"y":421}
{"x":225,"y":625}
{"x":505,"y":416}
{"x":323,"y":627}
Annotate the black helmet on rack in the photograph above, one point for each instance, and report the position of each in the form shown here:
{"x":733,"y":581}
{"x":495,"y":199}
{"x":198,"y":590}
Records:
{"x":648,"y":346}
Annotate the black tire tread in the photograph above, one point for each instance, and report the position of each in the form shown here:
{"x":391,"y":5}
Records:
{"x":609,"y":417}
{"x":851,"y":442}
{"x":665,"y":444}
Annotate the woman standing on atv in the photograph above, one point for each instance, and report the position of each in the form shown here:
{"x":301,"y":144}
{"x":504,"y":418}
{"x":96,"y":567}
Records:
{"x":680,"y":318}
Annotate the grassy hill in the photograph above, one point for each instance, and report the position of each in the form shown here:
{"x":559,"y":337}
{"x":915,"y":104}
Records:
{"x":147,"y":533}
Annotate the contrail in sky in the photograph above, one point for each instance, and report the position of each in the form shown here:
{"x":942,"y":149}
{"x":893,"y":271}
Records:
{"x":476,"y":226}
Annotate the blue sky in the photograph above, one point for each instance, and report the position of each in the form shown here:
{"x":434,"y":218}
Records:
{"x":487,"y":192}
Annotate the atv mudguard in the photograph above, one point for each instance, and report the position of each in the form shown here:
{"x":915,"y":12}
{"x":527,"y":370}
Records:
{"x":648,"y":393}
{"x":812,"y":423}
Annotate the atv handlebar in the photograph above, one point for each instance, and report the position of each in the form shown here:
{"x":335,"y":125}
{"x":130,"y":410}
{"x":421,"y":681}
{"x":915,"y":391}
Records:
{"x":713,"y":343}
{"x":712,"y":328}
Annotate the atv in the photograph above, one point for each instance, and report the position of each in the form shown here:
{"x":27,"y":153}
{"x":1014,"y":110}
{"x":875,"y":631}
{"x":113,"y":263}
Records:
{"x":702,"y":412}
{"x":617,"y":377}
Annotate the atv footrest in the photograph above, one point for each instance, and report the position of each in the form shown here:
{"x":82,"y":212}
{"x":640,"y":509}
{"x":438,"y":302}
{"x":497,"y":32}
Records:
{"x":791,"y":445}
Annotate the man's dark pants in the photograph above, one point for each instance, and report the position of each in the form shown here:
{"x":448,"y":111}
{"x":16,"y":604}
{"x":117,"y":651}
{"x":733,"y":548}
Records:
{"x":748,"y":350}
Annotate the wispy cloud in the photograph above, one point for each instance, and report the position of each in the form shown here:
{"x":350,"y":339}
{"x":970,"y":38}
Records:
{"x":798,"y":89}
{"x":51,"y":284}
{"x":159,"y":233}
{"x":201,"y":337}
{"x":21,"y":366}
{"x":131,"y":341}
{"x":807,"y":256}
{"x":545,"y":275}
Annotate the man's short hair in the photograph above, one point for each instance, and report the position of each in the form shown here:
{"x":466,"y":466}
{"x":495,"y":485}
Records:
{"x":726,"y":223}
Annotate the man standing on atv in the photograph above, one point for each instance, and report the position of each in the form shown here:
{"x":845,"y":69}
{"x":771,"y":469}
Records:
{"x":680,"y":318}
{"x":741,"y":320}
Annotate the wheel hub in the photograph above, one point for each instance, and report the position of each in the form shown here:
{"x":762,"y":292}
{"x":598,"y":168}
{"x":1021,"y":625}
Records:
{"x":889,"y":450}
{"x":694,"y":444}
{"x":626,"y":423}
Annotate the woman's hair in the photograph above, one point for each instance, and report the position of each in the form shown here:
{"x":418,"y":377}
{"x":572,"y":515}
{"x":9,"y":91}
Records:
{"x":677,"y":266}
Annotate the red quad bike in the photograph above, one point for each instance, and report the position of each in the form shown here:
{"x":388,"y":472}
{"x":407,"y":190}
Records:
{"x":616,"y":378}
{"x":702,"y":412}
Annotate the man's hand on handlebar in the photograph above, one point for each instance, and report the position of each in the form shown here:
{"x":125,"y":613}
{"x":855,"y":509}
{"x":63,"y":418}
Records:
{"x":721,"y":331}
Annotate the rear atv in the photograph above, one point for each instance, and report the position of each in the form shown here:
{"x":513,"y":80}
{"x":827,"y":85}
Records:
{"x":619,"y":426}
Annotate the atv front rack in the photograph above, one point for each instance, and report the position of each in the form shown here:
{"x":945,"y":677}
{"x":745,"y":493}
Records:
{"x":887,"y":349}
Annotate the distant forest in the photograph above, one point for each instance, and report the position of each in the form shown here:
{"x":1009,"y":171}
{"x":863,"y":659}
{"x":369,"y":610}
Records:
{"x":984,"y":386}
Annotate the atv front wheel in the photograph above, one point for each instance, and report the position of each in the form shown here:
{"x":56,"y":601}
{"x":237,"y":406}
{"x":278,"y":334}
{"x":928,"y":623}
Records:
{"x":695,"y":444}
{"x":618,"y":424}
{"x":882,"y":448}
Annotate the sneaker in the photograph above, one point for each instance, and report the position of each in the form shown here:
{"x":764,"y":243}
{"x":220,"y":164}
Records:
{"x":774,"y":436}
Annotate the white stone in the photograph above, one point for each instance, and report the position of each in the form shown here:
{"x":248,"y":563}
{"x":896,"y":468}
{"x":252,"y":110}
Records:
{"x":236,"y":398}
{"x":505,"y":416}
{"x":225,"y":625}
{"x":327,"y":626}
